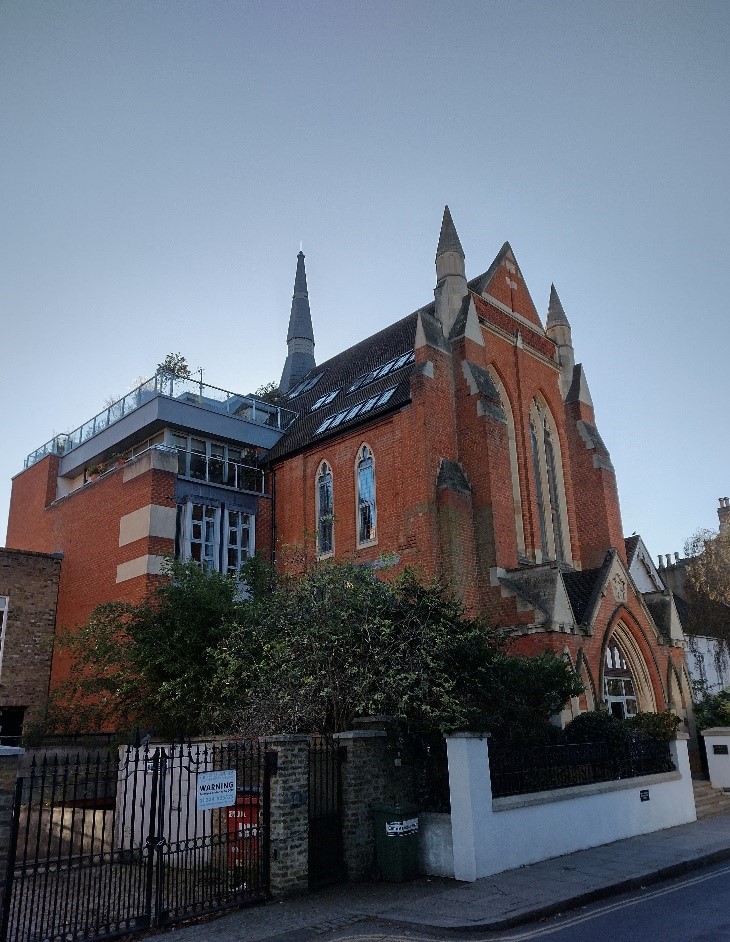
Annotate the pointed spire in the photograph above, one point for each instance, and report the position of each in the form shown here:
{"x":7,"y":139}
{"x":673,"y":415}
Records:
{"x":300,"y":280}
{"x":451,"y":287}
{"x":300,"y":337}
{"x":449,"y":237}
{"x":300,"y":319}
{"x":556,"y":313}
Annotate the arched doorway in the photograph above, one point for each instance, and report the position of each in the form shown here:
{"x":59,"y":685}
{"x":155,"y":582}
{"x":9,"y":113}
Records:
{"x":627,"y":687}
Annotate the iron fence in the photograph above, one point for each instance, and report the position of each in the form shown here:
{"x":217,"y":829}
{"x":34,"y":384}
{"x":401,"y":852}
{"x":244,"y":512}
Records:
{"x":110,"y":842}
{"x":519,"y":771}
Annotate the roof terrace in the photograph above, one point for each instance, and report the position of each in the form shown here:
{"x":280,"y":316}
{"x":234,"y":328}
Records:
{"x":169,"y":399}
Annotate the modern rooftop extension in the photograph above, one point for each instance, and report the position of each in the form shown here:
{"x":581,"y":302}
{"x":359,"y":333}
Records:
{"x":167,"y":400}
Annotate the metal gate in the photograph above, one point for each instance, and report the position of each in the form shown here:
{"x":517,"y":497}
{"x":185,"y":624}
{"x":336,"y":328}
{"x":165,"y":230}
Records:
{"x":326,"y":856}
{"x":109,"y":843}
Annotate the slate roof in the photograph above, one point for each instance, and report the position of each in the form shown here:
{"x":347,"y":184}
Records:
{"x":338,"y":374}
{"x":631,"y":542}
{"x":580,"y":586}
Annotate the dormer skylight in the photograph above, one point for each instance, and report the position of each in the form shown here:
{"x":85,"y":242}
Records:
{"x":305,"y":386}
{"x":361,"y":408}
{"x":326,"y":399}
{"x":380,"y":371}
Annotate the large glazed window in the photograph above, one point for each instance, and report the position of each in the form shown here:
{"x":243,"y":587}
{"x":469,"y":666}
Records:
{"x":325,"y":511}
{"x":619,"y":689}
{"x":627,"y":686}
{"x":216,"y":537}
{"x":366,"y":508}
{"x":549,"y":484}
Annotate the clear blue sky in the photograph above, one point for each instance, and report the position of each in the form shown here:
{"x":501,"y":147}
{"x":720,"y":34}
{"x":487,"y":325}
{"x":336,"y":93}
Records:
{"x":161,"y":161}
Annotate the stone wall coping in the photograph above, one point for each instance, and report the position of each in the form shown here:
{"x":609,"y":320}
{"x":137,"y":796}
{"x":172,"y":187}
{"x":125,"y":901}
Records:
{"x":282,"y":738}
{"x":681,"y":735}
{"x":11,"y":751}
{"x":464,"y":735}
{"x":360,"y":734}
{"x":716,"y":731}
{"x":511,"y":802}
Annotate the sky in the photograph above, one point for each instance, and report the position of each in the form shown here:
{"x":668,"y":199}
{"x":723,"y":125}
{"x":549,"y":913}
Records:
{"x":161,"y":162}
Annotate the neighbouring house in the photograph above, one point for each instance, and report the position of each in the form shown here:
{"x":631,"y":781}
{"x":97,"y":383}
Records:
{"x":461,"y":441}
{"x":28,"y":593}
{"x":708,"y":657}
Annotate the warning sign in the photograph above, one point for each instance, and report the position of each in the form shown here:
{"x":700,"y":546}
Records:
{"x":217,"y":789}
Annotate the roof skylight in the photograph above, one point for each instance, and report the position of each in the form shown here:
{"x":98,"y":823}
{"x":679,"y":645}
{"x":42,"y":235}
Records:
{"x":305,"y":386}
{"x":361,"y":408}
{"x":326,"y":399}
{"x":395,"y":364}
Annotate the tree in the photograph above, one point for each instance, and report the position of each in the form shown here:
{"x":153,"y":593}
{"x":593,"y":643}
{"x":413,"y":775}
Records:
{"x":312,"y":653}
{"x":707,"y":589}
{"x":150,"y":664}
{"x":176,"y":365}
{"x":269,"y":392}
{"x":302,"y":654}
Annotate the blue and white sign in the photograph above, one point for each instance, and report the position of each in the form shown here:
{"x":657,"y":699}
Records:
{"x":216,"y":789}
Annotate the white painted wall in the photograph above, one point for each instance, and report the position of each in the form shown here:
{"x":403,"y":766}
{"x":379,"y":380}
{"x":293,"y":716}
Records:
{"x":435,"y":846}
{"x":718,"y":764}
{"x":490,"y":836}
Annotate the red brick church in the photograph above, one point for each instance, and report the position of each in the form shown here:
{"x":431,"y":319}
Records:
{"x":460,"y":441}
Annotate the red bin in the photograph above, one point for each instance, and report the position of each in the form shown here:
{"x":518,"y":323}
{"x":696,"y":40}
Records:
{"x":243,"y":831}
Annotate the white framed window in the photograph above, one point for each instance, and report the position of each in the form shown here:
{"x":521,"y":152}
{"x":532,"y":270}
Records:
{"x":239,"y":531}
{"x":366,"y":508}
{"x":325,"y":511}
{"x":619,"y":689}
{"x":4,"y":601}
{"x":217,"y":537}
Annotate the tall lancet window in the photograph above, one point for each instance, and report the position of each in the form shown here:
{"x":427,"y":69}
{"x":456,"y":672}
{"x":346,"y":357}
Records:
{"x":366,"y":509}
{"x":513,"y":463}
{"x":325,"y":511}
{"x":539,"y":490}
{"x":553,"y":492}
{"x":549,"y":485}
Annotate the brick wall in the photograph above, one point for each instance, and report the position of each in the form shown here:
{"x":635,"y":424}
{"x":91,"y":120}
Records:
{"x":84,"y":526}
{"x":289,"y":837}
{"x":30,"y":580}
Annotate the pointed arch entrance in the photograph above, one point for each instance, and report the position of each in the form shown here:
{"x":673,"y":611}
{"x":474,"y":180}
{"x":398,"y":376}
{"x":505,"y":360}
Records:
{"x":627,"y":686}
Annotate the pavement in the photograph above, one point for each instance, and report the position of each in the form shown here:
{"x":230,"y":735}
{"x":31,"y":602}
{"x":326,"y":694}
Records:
{"x":430,"y":904}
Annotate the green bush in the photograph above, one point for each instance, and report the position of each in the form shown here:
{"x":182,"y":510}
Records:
{"x":713,"y":710}
{"x":659,"y":726}
{"x":597,"y":726}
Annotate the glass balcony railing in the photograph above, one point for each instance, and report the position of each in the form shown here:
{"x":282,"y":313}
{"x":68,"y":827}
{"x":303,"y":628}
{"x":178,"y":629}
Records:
{"x":172,"y":387}
{"x":221,"y":471}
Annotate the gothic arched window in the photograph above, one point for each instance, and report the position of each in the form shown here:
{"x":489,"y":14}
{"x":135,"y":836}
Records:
{"x":513,"y":463}
{"x":325,"y":511}
{"x":549,"y":488}
{"x":619,"y":689}
{"x":365,"y":497}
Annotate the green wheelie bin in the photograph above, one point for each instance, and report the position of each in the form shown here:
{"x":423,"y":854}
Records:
{"x":396,"y":841}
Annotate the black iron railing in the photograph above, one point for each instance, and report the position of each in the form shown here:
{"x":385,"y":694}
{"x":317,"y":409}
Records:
{"x":519,"y":771}
{"x":110,"y":842}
